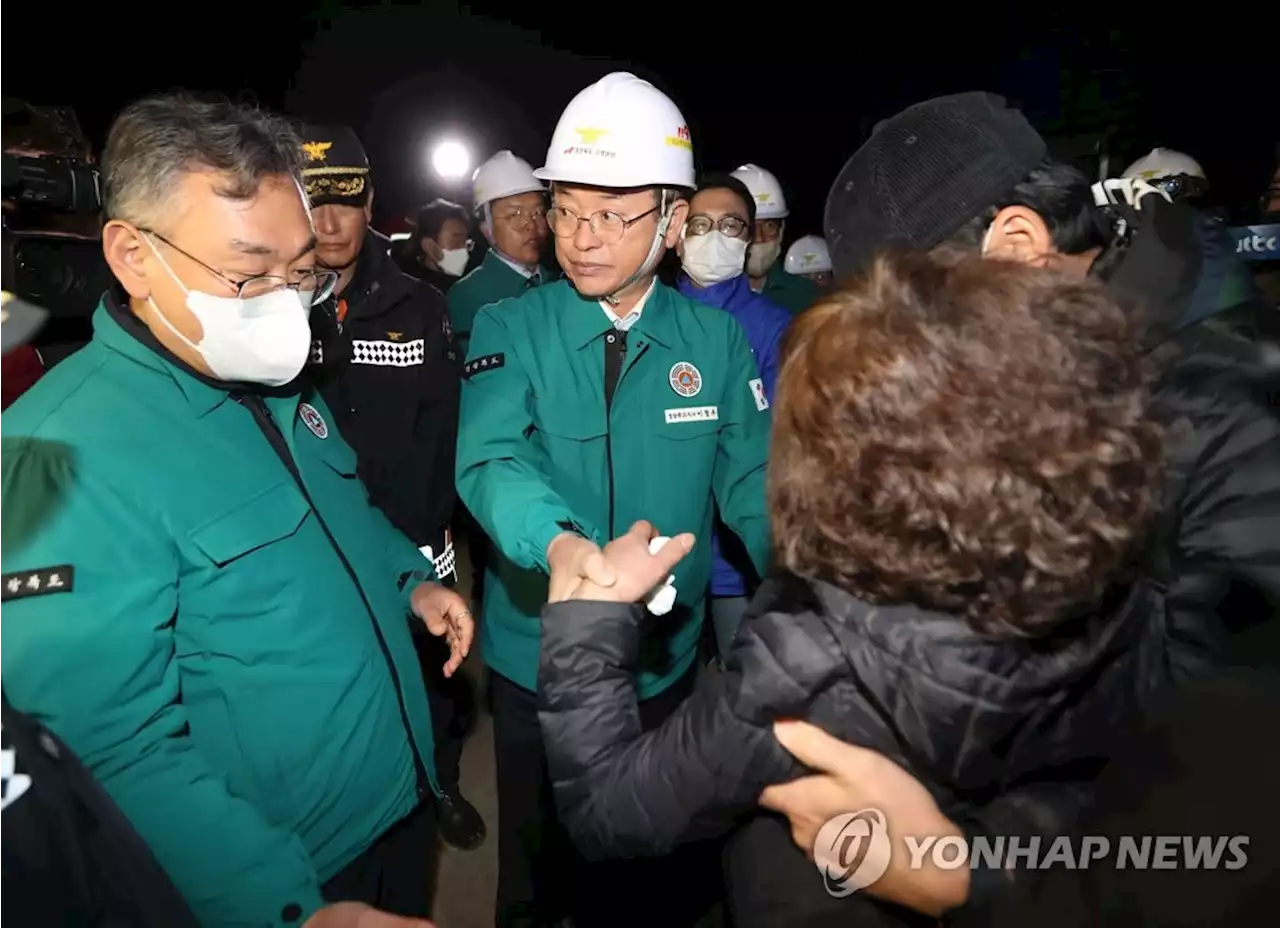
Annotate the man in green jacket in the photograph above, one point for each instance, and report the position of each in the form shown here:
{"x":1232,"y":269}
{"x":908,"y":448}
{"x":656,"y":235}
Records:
{"x":511,"y":206}
{"x":210,"y":613}
{"x":767,"y":273}
{"x":588,"y":404}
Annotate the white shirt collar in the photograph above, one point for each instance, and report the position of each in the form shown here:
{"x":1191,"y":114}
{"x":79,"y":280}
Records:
{"x":626,"y":322}
{"x":514,"y":265}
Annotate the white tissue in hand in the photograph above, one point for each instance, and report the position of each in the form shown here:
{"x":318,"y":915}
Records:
{"x":664,"y":597}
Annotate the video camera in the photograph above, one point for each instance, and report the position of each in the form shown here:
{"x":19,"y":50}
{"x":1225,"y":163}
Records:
{"x":63,"y":272}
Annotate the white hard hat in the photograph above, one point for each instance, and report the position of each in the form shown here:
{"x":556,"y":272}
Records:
{"x":503,"y":175}
{"x":770,"y":203}
{"x":1164,"y":162}
{"x":621,"y":132}
{"x":808,"y":255}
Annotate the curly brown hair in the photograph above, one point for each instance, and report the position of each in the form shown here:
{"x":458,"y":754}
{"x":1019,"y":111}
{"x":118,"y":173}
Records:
{"x":967,"y":435}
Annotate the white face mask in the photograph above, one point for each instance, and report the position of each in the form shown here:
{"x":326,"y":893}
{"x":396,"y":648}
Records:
{"x":713,"y":257}
{"x":263,"y":340}
{"x":761,"y":257}
{"x":453,"y":261}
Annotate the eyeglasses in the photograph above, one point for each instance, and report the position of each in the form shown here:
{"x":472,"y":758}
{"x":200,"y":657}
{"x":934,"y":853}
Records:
{"x":701,"y":224}
{"x":521,"y":218}
{"x":769,"y":228}
{"x":315,"y":283}
{"x":605,"y":225}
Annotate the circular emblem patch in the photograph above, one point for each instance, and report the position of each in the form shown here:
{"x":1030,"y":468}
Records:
{"x":685,"y":379}
{"x":313,"y":420}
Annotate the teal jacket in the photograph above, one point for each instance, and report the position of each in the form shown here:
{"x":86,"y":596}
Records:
{"x":229,"y":653}
{"x":491,"y":281}
{"x":790,"y":291}
{"x":687,"y":432}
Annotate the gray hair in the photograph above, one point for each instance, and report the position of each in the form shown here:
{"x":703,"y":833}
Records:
{"x":156,"y":141}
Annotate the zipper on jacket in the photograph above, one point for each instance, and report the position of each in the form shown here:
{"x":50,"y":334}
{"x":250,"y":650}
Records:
{"x":275,"y":437}
{"x":615,"y":359}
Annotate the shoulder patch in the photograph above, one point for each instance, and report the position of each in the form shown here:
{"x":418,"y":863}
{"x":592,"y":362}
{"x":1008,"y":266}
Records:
{"x":486,"y":362}
{"x":27,"y":583}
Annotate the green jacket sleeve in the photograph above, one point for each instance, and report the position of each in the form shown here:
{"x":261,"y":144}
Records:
{"x":739,"y":478}
{"x":411,"y":565}
{"x":499,"y":475}
{"x":95,"y":663}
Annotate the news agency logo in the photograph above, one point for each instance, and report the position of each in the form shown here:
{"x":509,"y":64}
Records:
{"x":853,"y":851}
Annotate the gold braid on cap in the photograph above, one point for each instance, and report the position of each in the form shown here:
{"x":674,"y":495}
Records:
{"x":335,"y":182}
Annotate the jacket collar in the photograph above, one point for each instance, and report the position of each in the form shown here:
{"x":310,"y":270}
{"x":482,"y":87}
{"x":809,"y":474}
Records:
{"x":117,"y":328}
{"x":585,"y":322}
{"x":724,"y":295}
{"x":496,"y":265}
{"x":371,"y":279}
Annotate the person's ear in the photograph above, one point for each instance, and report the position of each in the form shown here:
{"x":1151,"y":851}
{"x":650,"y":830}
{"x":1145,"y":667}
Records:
{"x":679,"y":216}
{"x":1018,"y":233}
{"x":126,"y":252}
{"x":430,"y":248}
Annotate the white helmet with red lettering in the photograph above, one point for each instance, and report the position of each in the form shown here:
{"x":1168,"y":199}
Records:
{"x":621,"y":132}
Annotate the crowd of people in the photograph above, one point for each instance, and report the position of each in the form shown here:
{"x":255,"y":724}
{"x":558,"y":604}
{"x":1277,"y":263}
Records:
{"x":938,"y":515}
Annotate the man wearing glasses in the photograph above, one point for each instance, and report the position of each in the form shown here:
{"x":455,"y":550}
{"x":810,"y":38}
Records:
{"x":208,"y":611}
{"x":588,"y":404}
{"x":764,"y":265}
{"x":511,"y":208}
{"x":713,"y":251}
{"x":510,"y":204}
{"x":384,"y":359}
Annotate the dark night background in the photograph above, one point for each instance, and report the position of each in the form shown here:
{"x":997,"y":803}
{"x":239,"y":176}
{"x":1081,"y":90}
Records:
{"x":793,"y":91}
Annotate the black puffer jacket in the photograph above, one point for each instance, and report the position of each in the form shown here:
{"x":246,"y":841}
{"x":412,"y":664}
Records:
{"x":974,"y":720}
{"x":1008,"y":737}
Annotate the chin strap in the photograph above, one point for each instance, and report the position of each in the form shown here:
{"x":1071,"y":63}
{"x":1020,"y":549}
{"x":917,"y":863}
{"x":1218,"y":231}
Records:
{"x":667,"y":204}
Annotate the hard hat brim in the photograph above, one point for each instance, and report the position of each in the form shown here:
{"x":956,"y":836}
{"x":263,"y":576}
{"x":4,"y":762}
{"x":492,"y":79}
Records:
{"x":514,"y":192}
{"x":611,"y":179}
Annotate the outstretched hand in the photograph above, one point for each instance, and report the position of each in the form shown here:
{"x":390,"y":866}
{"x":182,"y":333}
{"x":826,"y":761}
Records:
{"x":637,"y":572}
{"x":573,"y":560}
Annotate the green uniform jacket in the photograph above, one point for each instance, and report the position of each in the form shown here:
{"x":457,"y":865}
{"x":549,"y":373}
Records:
{"x":203,"y":647}
{"x":790,"y":291}
{"x":688,"y":431}
{"x":492,"y":281}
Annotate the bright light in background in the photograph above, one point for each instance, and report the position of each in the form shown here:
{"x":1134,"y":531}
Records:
{"x":451,"y":160}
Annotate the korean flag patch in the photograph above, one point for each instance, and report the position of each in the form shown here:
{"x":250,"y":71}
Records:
{"x":757,"y":393}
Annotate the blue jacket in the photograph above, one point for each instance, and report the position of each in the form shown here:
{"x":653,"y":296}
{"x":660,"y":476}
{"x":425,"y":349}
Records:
{"x":764,"y":322}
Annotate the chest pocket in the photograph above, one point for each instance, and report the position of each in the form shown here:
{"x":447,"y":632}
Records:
{"x":691,"y":430}
{"x":686,"y":419}
{"x":565,"y":420}
{"x":272,"y":515}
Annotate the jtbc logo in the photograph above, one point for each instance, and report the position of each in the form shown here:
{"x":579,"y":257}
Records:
{"x":1256,"y":244}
